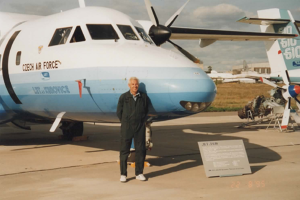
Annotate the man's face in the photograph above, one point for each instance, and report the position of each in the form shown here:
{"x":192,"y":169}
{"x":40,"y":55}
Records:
{"x":134,"y":86}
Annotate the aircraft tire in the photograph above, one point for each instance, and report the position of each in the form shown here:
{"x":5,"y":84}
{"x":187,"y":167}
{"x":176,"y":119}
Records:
{"x":74,"y":130}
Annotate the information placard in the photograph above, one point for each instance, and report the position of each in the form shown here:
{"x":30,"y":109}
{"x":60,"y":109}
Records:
{"x":224,"y":158}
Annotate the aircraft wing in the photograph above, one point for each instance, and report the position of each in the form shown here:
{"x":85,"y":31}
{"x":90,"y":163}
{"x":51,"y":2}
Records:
{"x":208,"y":37}
{"x":263,"y":21}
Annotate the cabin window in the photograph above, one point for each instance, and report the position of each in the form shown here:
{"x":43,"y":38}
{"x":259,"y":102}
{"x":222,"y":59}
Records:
{"x":102,"y":32}
{"x":78,"y":35}
{"x":144,"y":35}
{"x":18,"y":58}
{"x":127,"y":32}
{"x":60,"y":36}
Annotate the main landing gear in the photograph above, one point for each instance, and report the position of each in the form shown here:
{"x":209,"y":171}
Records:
{"x":71,"y":129}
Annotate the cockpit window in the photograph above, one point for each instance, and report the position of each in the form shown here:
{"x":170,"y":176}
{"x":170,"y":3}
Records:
{"x":127,"y":32}
{"x":60,"y":36}
{"x":78,"y":35}
{"x":144,"y":35}
{"x":102,"y":32}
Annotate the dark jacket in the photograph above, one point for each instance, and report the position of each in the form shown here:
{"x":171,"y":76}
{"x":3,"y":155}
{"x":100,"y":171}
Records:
{"x":132,"y":114}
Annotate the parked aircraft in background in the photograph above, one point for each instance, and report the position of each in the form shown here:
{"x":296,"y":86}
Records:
{"x":244,"y":77}
{"x":71,"y":67}
{"x":283,"y":55}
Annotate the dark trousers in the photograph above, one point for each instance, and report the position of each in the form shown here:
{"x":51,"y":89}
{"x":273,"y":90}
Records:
{"x":140,"y":154}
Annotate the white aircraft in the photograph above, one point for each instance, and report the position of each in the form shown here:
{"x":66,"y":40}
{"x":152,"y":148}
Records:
{"x":244,"y":77}
{"x":72,"y":67}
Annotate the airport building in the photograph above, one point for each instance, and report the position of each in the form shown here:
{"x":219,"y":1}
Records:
{"x":261,"y":68}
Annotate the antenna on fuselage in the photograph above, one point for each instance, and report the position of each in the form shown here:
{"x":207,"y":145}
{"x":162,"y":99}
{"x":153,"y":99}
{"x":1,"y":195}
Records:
{"x":81,"y":3}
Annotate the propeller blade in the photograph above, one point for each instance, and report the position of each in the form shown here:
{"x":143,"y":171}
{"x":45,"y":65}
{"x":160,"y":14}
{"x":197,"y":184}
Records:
{"x":298,"y":105}
{"x":184,"y":52}
{"x":286,"y":77}
{"x":263,"y":80}
{"x":174,"y":17}
{"x":297,"y":100}
{"x":151,"y":13}
{"x":286,"y":115}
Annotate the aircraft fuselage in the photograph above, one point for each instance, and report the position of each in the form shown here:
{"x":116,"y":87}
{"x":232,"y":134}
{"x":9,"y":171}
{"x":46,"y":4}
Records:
{"x":85,"y":79}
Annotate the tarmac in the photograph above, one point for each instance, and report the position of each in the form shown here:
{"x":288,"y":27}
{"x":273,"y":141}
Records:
{"x":37,"y":164}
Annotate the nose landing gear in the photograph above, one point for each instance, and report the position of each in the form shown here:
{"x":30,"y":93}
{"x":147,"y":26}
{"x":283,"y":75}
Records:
{"x":71,"y":129}
{"x":149,"y":143}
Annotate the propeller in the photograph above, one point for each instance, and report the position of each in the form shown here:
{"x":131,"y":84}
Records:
{"x":162,"y":33}
{"x":288,"y":92}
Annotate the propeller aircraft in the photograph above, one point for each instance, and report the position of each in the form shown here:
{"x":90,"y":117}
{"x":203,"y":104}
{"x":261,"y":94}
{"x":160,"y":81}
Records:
{"x":72,"y":67}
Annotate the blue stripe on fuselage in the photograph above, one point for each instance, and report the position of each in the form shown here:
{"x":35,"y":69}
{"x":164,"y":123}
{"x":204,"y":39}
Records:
{"x":103,"y":88}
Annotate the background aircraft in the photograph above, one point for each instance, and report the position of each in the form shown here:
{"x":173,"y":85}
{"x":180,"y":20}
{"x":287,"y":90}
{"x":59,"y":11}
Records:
{"x":71,"y":67}
{"x":283,"y":55}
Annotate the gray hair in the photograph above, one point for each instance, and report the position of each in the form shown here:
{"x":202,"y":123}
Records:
{"x":134,"y":78}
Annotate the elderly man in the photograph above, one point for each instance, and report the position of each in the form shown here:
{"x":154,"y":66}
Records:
{"x":132,"y":111}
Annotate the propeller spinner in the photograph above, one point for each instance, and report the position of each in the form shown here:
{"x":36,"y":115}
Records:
{"x":162,"y":33}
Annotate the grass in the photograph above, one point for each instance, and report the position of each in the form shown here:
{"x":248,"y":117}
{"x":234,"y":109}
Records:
{"x":234,"y":96}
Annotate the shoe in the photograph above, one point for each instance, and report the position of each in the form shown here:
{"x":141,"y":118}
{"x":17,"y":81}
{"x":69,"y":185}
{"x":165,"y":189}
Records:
{"x":141,"y":177}
{"x":123,"y":179}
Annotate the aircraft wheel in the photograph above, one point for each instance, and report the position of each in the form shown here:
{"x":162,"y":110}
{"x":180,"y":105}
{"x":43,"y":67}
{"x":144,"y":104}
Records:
{"x":72,"y":129}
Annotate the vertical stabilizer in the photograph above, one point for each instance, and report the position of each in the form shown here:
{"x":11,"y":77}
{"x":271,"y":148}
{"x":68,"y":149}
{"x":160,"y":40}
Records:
{"x":283,"y":53}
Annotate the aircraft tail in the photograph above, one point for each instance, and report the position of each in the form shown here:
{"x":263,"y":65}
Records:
{"x":283,"y":53}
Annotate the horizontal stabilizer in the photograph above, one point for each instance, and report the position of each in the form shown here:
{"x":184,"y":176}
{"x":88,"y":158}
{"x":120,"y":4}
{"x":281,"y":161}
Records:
{"x":263,"y":21}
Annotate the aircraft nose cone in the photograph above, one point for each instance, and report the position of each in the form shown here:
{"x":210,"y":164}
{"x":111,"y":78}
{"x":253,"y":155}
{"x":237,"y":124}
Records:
{"x":191,"y":89}
{"x":294,"y":90}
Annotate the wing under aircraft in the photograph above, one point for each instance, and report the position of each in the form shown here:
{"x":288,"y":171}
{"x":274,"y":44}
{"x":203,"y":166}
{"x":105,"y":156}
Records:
{"x":72,"y":67}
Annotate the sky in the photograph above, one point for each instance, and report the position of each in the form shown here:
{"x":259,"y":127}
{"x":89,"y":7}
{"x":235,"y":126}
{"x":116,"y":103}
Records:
{"x":212,"y":14}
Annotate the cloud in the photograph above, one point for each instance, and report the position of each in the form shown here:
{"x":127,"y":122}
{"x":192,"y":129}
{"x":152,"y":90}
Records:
{"x":218,"y":12}
{"x":219,"y":16}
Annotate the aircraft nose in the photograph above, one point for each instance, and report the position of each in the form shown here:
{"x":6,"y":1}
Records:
{"x":192,"y":90}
